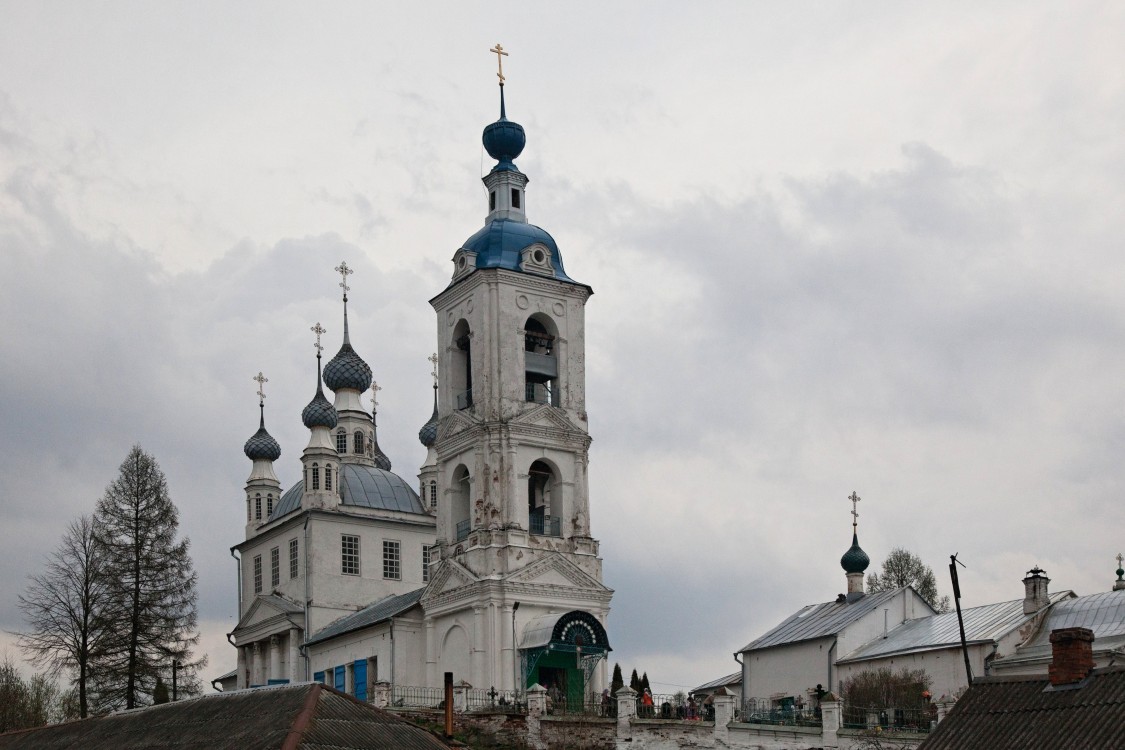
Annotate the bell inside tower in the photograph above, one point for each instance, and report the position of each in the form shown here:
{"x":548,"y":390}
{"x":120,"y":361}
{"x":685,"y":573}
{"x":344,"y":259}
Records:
{"x":541,"y":367}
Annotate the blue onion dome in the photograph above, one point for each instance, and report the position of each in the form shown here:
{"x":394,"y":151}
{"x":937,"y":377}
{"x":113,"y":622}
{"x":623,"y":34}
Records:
{"x":261,"y":444}
{"x":320,"y":412}
{"x":427,"y":436}
{"x":855,"y":560}
{"x":504,"y":140}
{"x":381,"y":459}
{"x":347,"y":370}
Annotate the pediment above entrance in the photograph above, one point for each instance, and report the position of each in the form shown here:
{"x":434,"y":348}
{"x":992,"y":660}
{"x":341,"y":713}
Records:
{"x":269,"y":614}
{"x":555,"y":571}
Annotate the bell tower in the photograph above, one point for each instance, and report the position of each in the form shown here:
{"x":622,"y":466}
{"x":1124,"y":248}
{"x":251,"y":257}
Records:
{"x":512,"y":445}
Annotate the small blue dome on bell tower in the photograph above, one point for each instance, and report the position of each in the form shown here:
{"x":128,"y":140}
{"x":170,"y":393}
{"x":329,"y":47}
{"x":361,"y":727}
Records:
{"x":504,"y":140}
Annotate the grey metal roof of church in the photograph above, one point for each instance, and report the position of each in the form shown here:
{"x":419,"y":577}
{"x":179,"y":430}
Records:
{"x":820,"y":621}
{"x":360,"y":486}
{"x":369,"y":615}
{"x":982,"y":625}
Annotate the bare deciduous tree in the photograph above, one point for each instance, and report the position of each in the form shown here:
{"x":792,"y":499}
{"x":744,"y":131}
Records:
{"x":64,"y":608}
{"x":904,"y":568}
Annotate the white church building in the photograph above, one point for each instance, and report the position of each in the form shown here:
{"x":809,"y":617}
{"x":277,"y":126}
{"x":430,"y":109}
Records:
{"x":490,"y":569}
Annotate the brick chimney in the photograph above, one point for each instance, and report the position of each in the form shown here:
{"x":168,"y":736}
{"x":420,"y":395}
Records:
{"x":1035,"y":591}
{"x":1072,"y":655}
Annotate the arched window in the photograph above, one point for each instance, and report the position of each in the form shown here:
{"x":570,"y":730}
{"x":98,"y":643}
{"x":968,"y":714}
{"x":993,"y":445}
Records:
{"x":328,"y":477}
{"x":461,"y":366}
{"x":542,"y":515}
{"x":541,"y":364}
{"x":258,"y":507}
{"x":358,"y":442}
{"x":249,"y":509}
{"x":269,"y":505}
{"x":433,"y":493}
{"x":341,"y":442}
{"x":462,"y":488}
{"x":370,"y":443}
{"x":315,"y":477}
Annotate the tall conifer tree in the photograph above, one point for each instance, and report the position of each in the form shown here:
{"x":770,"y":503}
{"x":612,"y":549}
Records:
{"x":151,"y":586}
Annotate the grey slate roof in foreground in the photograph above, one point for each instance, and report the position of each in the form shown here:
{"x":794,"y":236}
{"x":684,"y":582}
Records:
{"x":983,"y":624}
{"x":820,"y":620}
{"x":1026,"y":713}
{"x":306,"y":716}
{"x":373,"y":613}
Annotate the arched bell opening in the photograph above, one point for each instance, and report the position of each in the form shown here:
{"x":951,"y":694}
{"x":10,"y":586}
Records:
{"x":541,"y":364}
{"x":544,"y":511}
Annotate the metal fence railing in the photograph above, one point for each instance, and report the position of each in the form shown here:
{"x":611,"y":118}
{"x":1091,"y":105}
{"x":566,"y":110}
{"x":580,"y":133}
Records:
{"x":409,"y":696}
{"x":899,"y":719}
{"x":494,"y":700}
{"x":765,"y":711}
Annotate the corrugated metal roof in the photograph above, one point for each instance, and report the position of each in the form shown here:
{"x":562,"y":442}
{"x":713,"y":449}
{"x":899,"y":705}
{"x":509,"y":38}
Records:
{"x":820,"y":620}
{"x":986,"y":623}
{"x":369,"y":615}
{"x":1103,"y":613}
{"x":730,"y":679}
{"x":254,"y":719}
{"x":1010,"y":713}
{"x":360,"y":486}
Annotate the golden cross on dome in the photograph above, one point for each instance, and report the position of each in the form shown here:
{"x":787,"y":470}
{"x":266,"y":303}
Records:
{"x":261,"y":380}
{"x":344,"y":272}
{"x":855,"y":514}
{"x":318,"y":329}
{"x":433,"y":360}
{"x":375,"y":388}
{"x":500,"y":55}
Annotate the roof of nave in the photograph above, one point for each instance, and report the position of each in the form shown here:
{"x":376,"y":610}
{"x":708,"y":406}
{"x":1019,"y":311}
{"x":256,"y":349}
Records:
{"x":363,"y":487}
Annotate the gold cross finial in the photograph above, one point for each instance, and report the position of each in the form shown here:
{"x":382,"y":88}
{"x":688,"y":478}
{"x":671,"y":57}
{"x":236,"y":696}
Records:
{"x":433,"y":360}
{"x":375,"y":388}
{"x":261,"y":380}
{"x":319,"y":330}
{"x":500,"y":55}
{"x":344,"y":272}
{"x":855,"y":514}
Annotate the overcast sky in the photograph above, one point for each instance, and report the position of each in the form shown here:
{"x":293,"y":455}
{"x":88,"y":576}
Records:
{"x":834,"y":246}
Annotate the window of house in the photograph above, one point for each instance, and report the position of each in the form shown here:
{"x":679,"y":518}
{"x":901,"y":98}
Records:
{"x":257,"y":574}
{"x":328,"y":477}
{"x":349,"y":554}
{"x":426,"y":563}
{"x":341,"y":442}
{"x":258,"y":507}
{"x":358,"y":442}
{"x":392,"y":567}
{"x":275,"y":567}
{"x":294,"y":560}
{"x":315,"y":477}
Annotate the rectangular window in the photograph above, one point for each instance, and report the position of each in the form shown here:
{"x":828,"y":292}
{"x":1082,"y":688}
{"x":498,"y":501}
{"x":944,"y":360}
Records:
{"x":257,"y":507}
{"x":492,"y":200}
{"x":433,"y":494}
{"x":316,"y":478}
{"x":328,"y":477}
{"x":275,"y":567}
{"x":515,"y":198}
{"x":294,"y":566}
{"x":341,"y":443}
{"x":257,"y":574}
{"x":391,"y":566}
{"x":349,"y":554}
{"x":269,"y":505}
{"x":426,"y":563}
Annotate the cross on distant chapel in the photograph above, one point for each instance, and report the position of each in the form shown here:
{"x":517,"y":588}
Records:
{"x":855,"y":513}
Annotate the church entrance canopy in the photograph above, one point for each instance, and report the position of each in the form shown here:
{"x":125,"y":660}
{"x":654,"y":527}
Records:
{"x":563,"y":650}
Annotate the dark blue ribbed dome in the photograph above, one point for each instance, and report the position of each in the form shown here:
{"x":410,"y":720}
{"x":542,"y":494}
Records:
{"x":261,"y":445}
{"x":427,"y":436}
{"x":855,"y":560}
{"x":504,"y":140}
{"x":319,"y":412}
{"x":347,"y":370}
